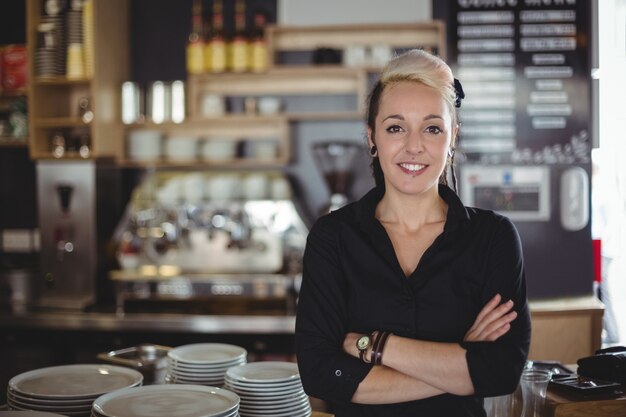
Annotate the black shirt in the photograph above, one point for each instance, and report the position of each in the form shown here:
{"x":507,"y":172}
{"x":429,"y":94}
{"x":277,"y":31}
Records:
{"x":352,"y":281}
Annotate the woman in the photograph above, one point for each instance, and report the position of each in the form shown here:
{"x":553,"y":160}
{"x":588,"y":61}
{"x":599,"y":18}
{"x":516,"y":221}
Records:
{"x":411,"y":303}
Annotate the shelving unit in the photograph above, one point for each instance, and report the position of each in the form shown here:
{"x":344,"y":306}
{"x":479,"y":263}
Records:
{"x":235,"y":127}
{"x":54,"y":102}
{"x":307,"y":92}
{"x":285,"y":39}
{"x":6,"y":98}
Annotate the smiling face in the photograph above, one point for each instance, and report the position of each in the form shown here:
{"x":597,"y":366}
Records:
{"x":413,"y":134}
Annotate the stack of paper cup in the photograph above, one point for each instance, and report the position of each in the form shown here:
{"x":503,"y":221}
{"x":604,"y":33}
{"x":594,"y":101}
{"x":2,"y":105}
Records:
{"x":88,"y":37}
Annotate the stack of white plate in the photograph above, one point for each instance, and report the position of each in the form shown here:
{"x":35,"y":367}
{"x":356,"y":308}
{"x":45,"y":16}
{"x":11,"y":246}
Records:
{"x":69,"y":389}
{"x":268,"y":389}
{"x":203,"y":363}
{"x":167,"y":401}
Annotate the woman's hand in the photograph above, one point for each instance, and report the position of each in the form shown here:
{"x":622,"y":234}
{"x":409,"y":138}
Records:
{"x":492,"y":322}
{"x":349,"y":344}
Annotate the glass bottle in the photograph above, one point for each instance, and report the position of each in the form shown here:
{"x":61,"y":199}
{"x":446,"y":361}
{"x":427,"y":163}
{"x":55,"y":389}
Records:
{"x":217,"y":40}
{"x":195,"y":44}
{"x":258,"y":44}
{"x":239,"y":45}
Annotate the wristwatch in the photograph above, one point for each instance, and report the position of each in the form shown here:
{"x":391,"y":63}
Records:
{"x":362,"y":344}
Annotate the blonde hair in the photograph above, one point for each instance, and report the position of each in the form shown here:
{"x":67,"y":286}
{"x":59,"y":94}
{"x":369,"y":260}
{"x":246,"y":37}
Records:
{"x":420,"y":66}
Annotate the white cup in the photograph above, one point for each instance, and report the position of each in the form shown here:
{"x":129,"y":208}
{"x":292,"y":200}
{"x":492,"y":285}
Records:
{"x":192,"y":188}
{"x":380,"y":55}
{"x":354,"y":56}
{"x":218,"y":149}
{"x":280,"y":189}
{"x":265,"y":150}
{"x":212,"y":105}
{"x":269,"y":105}
{"x":255,"y":186}
{"x":223,"y":187}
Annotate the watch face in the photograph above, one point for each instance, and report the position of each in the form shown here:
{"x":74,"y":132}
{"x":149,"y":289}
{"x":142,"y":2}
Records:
{"x":363,"y":342}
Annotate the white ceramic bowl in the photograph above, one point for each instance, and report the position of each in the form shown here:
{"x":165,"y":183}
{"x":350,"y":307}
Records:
{"x":218,"y":149}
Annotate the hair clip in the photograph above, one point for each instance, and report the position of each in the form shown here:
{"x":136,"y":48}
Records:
{"x":460,"y":95}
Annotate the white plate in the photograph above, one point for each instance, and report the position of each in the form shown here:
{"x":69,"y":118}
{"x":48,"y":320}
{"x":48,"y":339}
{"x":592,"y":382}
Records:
{"x":65,"y":413}
{"x":278,"y":407}
{"x":52,"y":408}
{"x":265,"y":385}
{"x":264,"y":372}
{"x":300,"y":413}
{"x":211,"y":382}
{"x":264,"y":391}
{"x":168,"y":401}
{"x":206,"y":353}
{"x":33,"y":400}
{"x":202,"y":368}
{"x":247,"y":398}
{"x":255,"y":402}
{"x":74,"y":381}
{"x":216,"y":370}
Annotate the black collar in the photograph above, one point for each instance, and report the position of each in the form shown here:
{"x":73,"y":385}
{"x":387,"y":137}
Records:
{"x":366,"y":208}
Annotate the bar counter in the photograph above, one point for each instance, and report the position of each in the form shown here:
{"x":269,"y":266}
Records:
{"x":182,"y":323}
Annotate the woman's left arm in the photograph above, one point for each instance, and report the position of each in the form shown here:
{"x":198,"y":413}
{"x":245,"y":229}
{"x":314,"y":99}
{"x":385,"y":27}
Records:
{"x":442,"y":365}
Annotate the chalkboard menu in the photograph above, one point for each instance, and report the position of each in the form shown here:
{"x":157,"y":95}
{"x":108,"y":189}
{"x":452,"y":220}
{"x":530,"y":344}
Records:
{"x":525,"y":67}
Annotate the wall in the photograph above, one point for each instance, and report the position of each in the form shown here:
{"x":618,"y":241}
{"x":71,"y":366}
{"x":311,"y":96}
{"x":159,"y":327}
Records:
{"x":328,"y":12}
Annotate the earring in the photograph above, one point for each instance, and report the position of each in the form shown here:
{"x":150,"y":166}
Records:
{"x":373,"y":150}
{"x":450,"y":152}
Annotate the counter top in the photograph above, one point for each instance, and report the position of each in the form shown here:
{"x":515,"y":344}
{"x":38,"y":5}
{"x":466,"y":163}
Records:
{"x":154,"y":321}
{"x":105,"y":321}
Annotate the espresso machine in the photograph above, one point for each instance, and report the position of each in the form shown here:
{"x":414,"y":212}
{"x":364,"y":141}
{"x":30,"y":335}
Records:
{"x":336,"y":161}
{"x":190,"y":241}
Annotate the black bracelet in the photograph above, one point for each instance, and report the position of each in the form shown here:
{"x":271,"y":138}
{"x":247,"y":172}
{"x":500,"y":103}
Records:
{"x":375,"y":348}
{"x":380,"y":347}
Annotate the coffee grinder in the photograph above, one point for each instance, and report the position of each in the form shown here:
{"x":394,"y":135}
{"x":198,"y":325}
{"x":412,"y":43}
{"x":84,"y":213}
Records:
{"x":336,"y":161}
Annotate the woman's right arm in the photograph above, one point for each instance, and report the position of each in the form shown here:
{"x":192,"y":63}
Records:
{"x":322,"y":318}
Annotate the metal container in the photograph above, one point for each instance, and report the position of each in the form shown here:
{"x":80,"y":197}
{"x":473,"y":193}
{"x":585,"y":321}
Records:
{"x":132,"y":105}
{"x":150,"y":360}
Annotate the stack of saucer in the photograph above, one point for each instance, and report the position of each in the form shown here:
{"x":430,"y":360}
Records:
{"x":268,"y":389}
{"x":167,"y":401}
{"x":203,"y":363}
{"x":69,"y":389}
{"x":50,"y":52}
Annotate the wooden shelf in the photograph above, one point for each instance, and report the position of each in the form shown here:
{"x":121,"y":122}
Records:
{"x":69,"y":156}
{"x":54,"y":101}
{"x":60,"y":81}
{"x":9,"y":142}
{"x":303,"y":38}
{"x":285,"y":81}
{"x":232,"y":163}
{"x":341,"y":115}
{"x":22,"y":92}
{"x":234,"y":126}
{"x":59,"y":122}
